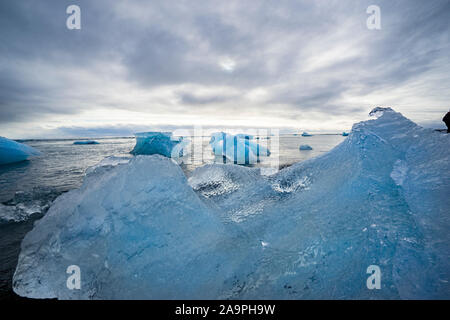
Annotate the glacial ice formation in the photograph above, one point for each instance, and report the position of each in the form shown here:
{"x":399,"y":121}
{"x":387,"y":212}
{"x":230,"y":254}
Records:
{"x":134,"y":230}
{"x":83,"y":142}
{"x":12,"y":151}
{"x":238,"y":149}
{"x":163,"y":143}
{"x":305,"y":147}
{"x":142,"y":230}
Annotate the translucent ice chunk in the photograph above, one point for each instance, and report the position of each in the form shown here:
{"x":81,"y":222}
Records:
{"x":12,"y":151}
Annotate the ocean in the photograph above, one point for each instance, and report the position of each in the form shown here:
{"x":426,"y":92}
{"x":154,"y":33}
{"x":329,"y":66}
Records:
{"x":28,"y":188}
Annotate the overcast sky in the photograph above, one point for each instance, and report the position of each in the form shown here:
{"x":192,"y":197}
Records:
{"x":149,"y":65}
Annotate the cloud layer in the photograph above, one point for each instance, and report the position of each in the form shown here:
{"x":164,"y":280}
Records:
{"x":308,"y":65}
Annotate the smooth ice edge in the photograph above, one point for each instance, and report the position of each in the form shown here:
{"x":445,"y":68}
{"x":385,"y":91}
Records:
{"x":12,"y":151}
{"x":352,"y":214}
{"x":108,"y":162}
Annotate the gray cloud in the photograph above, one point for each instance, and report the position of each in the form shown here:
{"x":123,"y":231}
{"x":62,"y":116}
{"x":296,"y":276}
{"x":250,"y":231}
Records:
{"x":191,"y":99}
{"x":304,"y":56}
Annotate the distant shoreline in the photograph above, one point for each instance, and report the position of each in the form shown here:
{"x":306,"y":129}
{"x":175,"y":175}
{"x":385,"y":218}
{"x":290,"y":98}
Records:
{"x":132,"y":137}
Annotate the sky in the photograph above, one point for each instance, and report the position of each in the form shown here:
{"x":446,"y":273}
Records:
{"x":162,"y":65}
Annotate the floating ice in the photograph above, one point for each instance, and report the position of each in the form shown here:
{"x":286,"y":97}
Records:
{"x":344,"y":134}
{"x":163,"y":143}
{"x":305,"y":147}
{"x":12,"y":151}
{"x":18,"y":213}
{"x":8,"y":213}
{"x":306,"y":134}
{"x":82,"y":142}
{"x":141,"y":230}
{"x":26,"y":204}
{"x":239,"y":149}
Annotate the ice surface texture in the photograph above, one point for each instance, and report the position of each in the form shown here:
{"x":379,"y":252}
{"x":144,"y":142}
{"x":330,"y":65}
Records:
{"x":108,"y":163}
{"x":238,"y":149}
{"x":12,"y":151}
{"x":26,"y":204}
{"x":141,"y":230}
{"x":163,"y":143}
{"x":136,"y":230}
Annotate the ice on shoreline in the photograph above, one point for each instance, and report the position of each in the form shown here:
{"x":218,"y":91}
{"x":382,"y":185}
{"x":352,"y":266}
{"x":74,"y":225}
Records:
{"x":142,"y":230}
{"x":25,"y":205}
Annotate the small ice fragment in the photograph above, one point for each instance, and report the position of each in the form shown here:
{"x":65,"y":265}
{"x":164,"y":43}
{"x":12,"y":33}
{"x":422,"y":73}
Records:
{"x":84,"y":142}
{"x":305,"y":147}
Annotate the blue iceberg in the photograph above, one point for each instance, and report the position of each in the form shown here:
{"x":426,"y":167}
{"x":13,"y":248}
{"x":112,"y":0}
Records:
{"x":142,"y":230}
{"x":305,"y":147}
{"x":162,"y":143}
{"x":83,"y":142}
{"x":306,"y":134}
{"x":344,"y":134}
{"x":12,"y":151}
{"x":238,"y":149}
